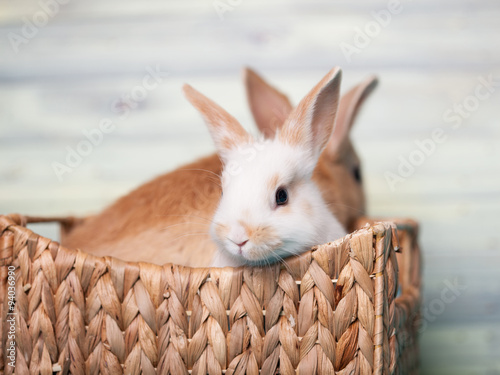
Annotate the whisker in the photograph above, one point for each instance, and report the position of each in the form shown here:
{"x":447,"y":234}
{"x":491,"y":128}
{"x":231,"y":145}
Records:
{"x":287,"y":267}
{"x":201,"y":170}
{"x":206,"y":170}
{"x":191,"y":215}
{"x":282,"y":261}
{"x":190,"y":234}
{"x":185,"y":223}
{"x":186,"y":215}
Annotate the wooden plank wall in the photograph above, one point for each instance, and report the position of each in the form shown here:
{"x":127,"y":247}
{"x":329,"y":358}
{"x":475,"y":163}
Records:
{"x":430,"y":58}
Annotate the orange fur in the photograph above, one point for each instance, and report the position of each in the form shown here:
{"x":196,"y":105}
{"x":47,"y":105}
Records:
{"x":350,"y":104}
{"x":270,"y":107}
{"x":272,"y":184}
{"x":340,"y":191}
{"x":217,"y":118}
{"x":228,"y":143}
{"x":321,"y":120}
{"x":306,"y":206}
{"x":157,"y":221}
{"x":293,"y":135}
{"x":261,"y":235}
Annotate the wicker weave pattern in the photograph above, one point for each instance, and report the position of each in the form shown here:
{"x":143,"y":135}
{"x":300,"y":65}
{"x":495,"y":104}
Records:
{"x":332,"y":310}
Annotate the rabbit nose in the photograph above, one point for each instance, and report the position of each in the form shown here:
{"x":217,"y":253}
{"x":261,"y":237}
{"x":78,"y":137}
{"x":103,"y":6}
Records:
{"x":241,"y":244}
{"x":238,"y":236}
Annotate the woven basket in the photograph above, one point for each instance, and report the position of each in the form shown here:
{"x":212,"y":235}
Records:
{"x":337,"y":309}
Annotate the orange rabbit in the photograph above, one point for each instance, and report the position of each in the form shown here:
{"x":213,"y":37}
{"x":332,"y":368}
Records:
{"x":168,"y":219}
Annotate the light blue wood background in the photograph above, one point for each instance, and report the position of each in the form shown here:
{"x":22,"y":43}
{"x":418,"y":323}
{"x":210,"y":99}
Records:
{"x":68,"y":76}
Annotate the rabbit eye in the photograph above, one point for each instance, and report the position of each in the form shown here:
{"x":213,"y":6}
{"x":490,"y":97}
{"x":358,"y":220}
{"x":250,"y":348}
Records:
{"x":281,"y":196}
{"x":357,"y":174}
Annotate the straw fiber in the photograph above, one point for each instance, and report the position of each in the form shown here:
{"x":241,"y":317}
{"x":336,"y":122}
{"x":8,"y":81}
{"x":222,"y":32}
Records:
{"x":337,"y":309}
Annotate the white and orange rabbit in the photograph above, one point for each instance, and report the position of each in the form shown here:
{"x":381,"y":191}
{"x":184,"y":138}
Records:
{"x":168,"y":218}
{"x":271,"y":208}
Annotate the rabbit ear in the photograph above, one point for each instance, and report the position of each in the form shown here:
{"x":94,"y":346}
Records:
{"x":270,"y":108}
{"x":349,"y":106}
{"x":225,"y":130}
{"x":311,"y":124}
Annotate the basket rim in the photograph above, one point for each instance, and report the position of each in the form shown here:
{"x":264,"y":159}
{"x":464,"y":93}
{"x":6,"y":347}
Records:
{"x":363,"y":224}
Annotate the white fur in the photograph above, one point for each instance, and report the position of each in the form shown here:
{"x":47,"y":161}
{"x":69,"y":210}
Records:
{"x":247,"y":198}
